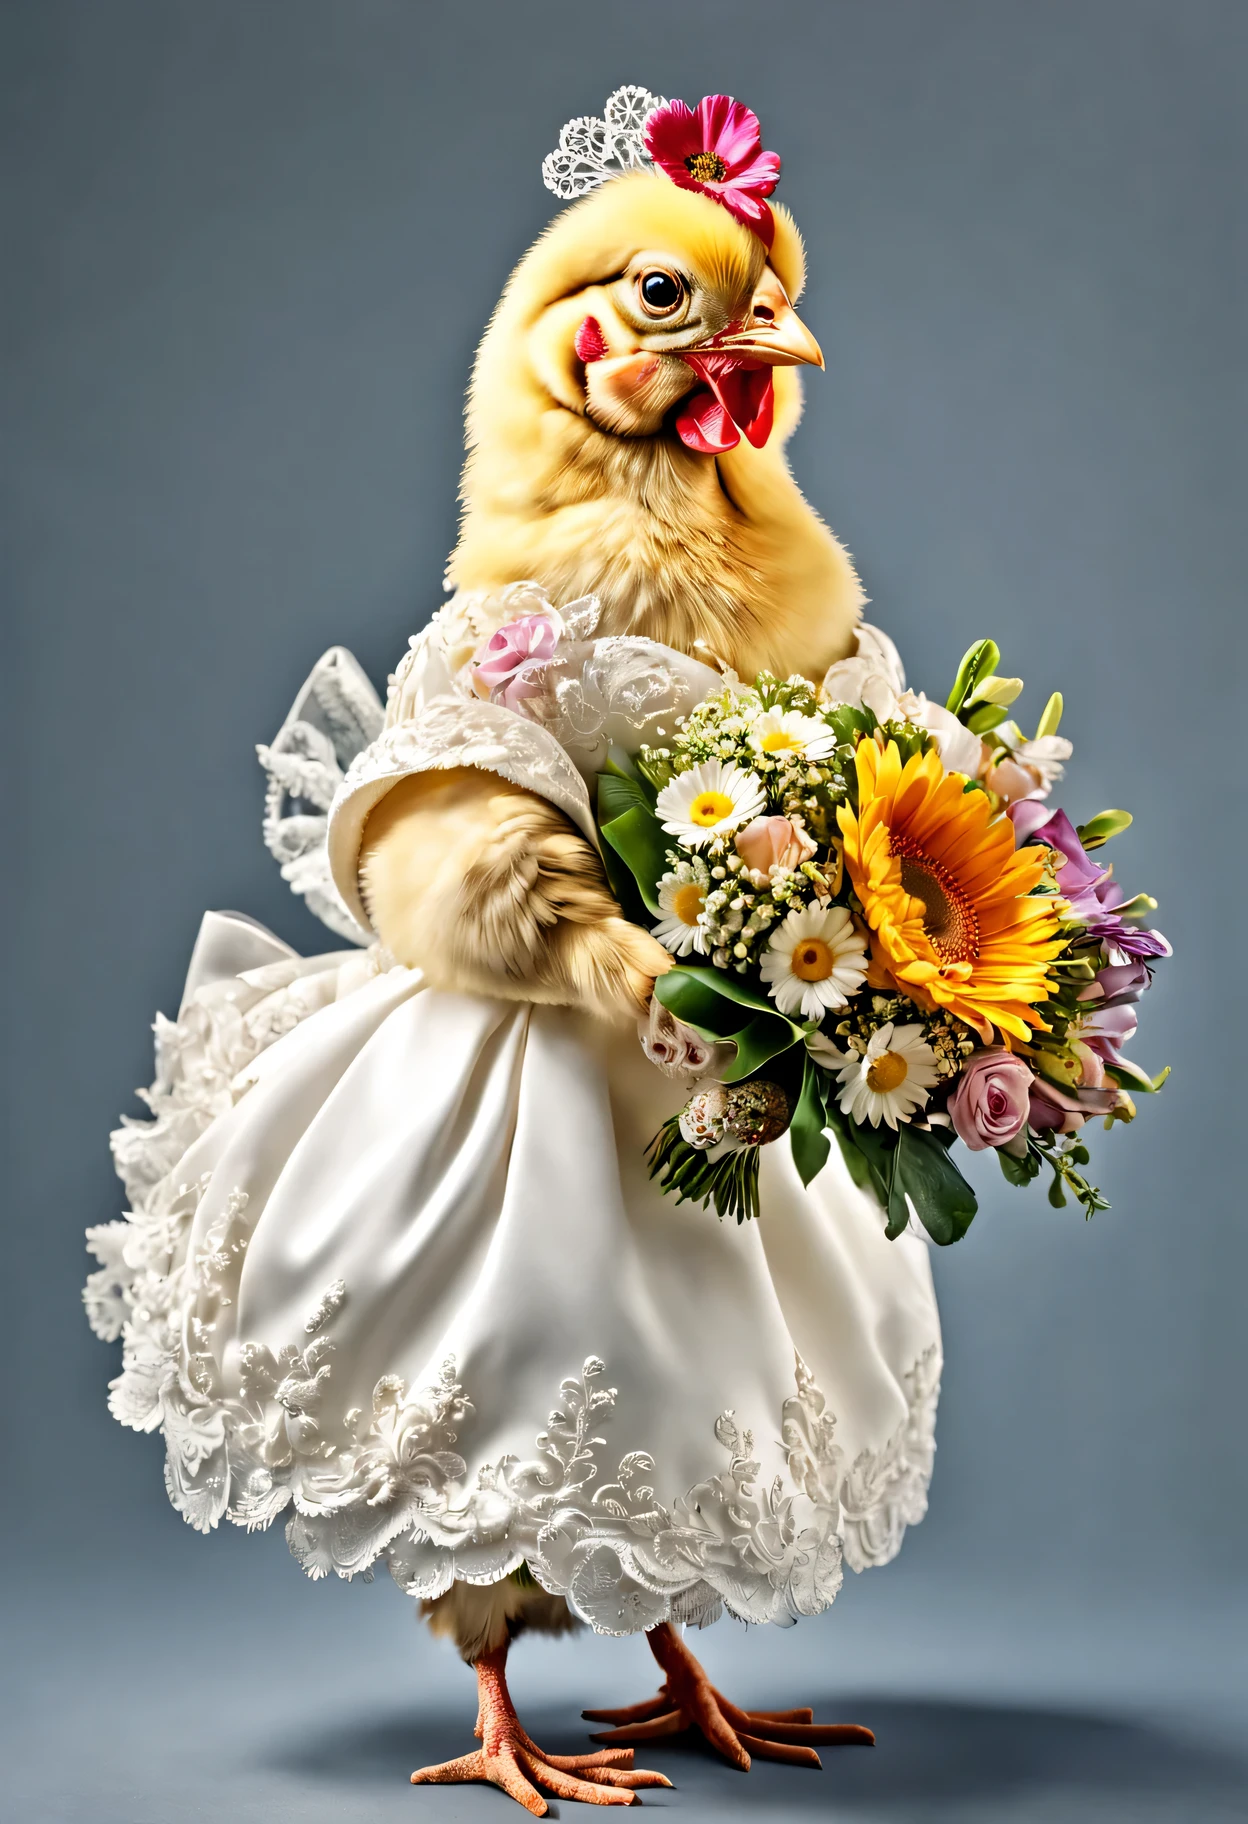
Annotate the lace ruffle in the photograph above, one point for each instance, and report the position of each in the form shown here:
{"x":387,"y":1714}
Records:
{"x":390,"y":1484}
{"x":450,"y":731}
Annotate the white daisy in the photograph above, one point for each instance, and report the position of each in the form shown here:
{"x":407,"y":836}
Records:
{"x":891,"y":1080}
{"x":784,"y":734}
{"x":708,"y":801}
{"x":682,"y":895}
{"x":815,"y":960}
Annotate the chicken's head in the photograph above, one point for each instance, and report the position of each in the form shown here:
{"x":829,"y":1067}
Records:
{"x":651,"y":312}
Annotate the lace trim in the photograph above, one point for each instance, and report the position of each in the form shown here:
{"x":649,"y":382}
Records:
{"x":450,"y":731}
{"x":335,"y":715}
{"x":390,"y":1483}
{"x":202,"y":1063}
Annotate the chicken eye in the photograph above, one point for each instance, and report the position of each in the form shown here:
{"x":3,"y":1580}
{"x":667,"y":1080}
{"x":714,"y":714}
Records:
{"x":660,"y":292}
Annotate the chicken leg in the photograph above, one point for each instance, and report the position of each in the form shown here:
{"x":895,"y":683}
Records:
{"x":507,"y":1758}
{"x":688,"y":1700}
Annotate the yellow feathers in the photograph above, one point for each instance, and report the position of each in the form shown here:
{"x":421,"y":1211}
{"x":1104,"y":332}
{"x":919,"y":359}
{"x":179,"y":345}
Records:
{"x":697,"y":551}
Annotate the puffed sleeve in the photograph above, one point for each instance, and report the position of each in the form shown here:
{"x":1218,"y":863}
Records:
{"x":432,"y":724}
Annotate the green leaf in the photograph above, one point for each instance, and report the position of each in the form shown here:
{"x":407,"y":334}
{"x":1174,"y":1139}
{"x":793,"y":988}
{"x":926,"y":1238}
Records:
{"x":856,"y":1161}
{"x":810,"y":1143}
{"x":617,"y":795}
{"x":1130,"y":1076}
{"x":1018,"y":1171}
{"x":1051,"y":720}
{"x":847,"y":723}
{"x":641,"y":845}
{"x":878,"y":1146}
{"x":944,"y":1202}
{"x":987,"y":717}
{"x":978,"y":663}
{"x":705,"y":1005}
{"x":1099,"y":829}
{"x":622,"y":884}
{"x":761,"y":1042}
{"x":732,"y":988}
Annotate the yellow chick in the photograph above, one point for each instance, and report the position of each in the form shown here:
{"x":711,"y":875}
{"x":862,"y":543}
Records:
{"x":629,"y":408}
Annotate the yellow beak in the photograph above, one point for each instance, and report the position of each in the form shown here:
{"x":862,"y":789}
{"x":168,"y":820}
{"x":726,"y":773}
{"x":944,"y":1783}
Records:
{"x":776,"y":336}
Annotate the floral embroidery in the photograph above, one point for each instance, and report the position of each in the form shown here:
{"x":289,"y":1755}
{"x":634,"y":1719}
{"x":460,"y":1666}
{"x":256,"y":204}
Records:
{"x":391,"y":1485}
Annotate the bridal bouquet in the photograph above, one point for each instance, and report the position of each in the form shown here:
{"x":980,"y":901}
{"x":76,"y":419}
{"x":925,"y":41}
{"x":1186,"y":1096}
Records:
{"x":881,"y":934}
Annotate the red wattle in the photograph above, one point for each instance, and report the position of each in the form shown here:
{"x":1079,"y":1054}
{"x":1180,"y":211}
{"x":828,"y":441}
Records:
{"x":738,"y":397}
{"x":703,"y":425}
{"x":590,"y":343}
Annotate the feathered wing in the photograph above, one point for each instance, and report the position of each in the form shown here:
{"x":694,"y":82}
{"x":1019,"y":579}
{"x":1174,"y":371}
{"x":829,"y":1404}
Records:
{"x":489,"y":890}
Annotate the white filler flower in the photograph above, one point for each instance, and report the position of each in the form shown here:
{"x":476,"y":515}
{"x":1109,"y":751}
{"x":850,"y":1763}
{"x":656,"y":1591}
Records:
{"x":787,"y":733}
{"x":682,"y":895}
{"x":815,"y":960}
{"x":891,"y":1080}
{"x":709,"y":801}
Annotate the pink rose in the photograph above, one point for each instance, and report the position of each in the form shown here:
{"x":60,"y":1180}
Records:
{"x":990,"y":1104}
{"x":772,"y":842}
{"x":502,"y":662}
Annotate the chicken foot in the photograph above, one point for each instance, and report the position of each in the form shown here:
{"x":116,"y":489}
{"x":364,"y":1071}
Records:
{"x":509,"y":1759}
{"x":688,"y":1700}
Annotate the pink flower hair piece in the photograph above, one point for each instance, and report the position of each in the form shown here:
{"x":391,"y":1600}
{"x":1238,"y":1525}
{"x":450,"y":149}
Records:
{"x":717,"y":148}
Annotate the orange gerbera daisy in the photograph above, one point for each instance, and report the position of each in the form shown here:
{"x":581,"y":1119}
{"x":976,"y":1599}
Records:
{"x":946,"y":893}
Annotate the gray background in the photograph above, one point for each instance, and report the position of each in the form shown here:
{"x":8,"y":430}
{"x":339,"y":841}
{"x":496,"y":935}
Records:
{"x":247,"y":252}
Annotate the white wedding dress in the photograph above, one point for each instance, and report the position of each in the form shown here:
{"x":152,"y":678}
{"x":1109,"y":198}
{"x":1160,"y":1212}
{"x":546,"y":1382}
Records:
{"x":394,"y":1268}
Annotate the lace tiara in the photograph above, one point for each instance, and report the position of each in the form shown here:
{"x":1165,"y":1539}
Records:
{"x":591,"y":150}
{"x":715,"y":148}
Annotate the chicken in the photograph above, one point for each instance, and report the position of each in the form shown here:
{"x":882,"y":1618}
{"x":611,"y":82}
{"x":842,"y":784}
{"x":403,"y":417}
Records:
{"x":629,"y":408}
{"x":618,"y":446}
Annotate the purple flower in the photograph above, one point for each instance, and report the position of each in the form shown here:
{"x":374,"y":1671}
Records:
{"x":1065,"y":1111}
{"x":1077,"y":873}
{"x":1106,"y":1029}
{"x":1117,"y":983}
{"x":1124,"y":942}
{"x":503,"y":670}
{"x":989,"y":1105}
{"x":1091,"y":893}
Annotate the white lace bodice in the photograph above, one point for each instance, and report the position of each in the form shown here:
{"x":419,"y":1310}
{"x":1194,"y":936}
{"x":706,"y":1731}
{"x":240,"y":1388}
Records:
{"x":591,"y":696}
{"x":338,"y":753}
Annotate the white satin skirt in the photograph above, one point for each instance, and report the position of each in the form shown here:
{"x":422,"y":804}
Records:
{"x":396,"y":1271}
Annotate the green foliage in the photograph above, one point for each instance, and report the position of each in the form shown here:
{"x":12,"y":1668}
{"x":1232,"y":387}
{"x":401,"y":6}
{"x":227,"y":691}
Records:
{"x":848,"y":723}
{"x":1018,"y":1168}
{"x":1064,"y":1160}
{"x":1099,"y":829}
{"x":988,"y":716}
{"x":724,"y":1007}
{"x":977,"y":664}
{"x":637,"y":838}
{"x":925,"y":1175}
{"x":807,"y":1130}
{"x":619,"y":793}
{"x":1051,"y":720}
{"x":730,"y":1181}
{"x":911,"y":1163}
